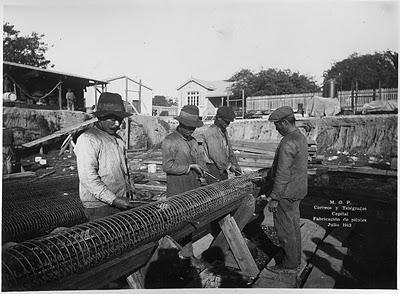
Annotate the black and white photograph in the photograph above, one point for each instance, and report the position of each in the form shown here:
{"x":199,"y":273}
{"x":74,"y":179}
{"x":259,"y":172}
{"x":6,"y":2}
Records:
{"x":180,"y":145}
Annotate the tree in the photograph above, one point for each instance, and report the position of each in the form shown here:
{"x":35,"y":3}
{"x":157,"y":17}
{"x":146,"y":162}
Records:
{"x":367,"y":70}
{"x":29,"y":50}
{"x":160,"y":100}
{"x":271,"y":82}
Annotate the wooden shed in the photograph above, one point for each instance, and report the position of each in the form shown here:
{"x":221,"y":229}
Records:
{"x":40,"y":88}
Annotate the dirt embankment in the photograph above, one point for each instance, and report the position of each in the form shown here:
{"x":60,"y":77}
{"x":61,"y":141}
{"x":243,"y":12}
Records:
{"x":32,"y":124}
{"x":372,"y":135}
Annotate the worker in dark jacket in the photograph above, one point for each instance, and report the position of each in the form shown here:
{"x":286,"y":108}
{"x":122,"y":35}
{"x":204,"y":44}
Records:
{"x":289,"y":176}
{"x":182,"y":159}
{"x":219,"y":155}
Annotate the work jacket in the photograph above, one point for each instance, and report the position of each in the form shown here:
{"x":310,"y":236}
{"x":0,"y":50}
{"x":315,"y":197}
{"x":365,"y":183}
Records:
{"x":102,"y":168}
{"x":217,"y":148}
{"x":178,"y":153}
{"x":289,"y":169}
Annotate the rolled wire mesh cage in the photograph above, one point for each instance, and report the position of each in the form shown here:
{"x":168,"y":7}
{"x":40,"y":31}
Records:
{"x":30,"y":264}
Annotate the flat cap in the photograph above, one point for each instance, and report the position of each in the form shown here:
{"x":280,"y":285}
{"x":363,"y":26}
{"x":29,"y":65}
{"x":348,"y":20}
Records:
{"x":226,"y":112}
{"x":281,"y":113}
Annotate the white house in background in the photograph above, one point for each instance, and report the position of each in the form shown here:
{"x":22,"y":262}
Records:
{"x":135,"y":92}
{"x":207,"y":95}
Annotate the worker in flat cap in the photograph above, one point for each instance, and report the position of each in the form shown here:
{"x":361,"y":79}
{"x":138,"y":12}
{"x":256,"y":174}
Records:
{"x":289,"y":178}
{"x":182,"y":160}
{"x":218,"y":151}
{"x":104,"y":184}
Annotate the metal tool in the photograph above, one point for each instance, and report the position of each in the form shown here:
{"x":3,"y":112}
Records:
{"x":211,"y":176}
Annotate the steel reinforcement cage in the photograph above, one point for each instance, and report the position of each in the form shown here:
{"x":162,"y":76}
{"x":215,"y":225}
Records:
{"x":31,"y":264}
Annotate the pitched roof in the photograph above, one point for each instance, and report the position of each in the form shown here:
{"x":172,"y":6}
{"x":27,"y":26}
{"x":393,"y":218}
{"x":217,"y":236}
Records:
{"x":216,"y":88}
{"x":89,"y":81}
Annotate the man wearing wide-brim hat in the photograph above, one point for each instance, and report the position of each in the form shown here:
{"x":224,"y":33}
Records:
{"x":219,"y":155}
{"x":182,"y":160}
{"x":289,"y":177}
{"x":104,"y":184}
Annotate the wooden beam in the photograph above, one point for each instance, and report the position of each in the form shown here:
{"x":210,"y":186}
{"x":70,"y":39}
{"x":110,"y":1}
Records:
{"x":326,"y":268}
{"x":242,"y":216}
{"x":21,"y":175}
{"x":238,"y":246}
{"x":263,"y":145}
{"x":60,"y":96}
{"x":59,"y":133}
{"x":162,"y":188}
{"x":359,"y":169}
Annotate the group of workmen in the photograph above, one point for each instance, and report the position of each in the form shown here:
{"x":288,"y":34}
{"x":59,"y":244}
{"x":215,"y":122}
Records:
{"x":105,"y":186}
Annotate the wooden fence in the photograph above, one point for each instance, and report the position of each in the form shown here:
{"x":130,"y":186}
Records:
{"x":268,"y":103}
{"x":360,"y":97}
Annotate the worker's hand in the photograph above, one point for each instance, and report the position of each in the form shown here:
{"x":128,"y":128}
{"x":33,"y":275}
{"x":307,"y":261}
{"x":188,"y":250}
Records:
{"x":272,"y":205}
{"x":197,"y":168}
{"x":122,"y":203}
{"x":236,"y":170}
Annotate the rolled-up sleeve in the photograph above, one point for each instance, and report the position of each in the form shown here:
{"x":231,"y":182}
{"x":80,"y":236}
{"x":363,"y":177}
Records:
{"x":172,"y":164}
{"x":87,"y":154}
{"x":286,"y":154}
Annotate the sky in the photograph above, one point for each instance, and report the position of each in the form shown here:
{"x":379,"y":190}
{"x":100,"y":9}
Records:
{"x":166,"y":42}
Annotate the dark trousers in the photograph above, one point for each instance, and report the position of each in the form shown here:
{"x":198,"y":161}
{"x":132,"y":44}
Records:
{"x":287,"y":224}
{"x":99,"y":212}
{"x":212,"y":169}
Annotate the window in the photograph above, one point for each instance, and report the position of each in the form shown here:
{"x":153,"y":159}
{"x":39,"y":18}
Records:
{"x":193,"y":98}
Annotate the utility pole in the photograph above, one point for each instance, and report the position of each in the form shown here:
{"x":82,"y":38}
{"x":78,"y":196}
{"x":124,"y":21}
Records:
{"x":140,"y":97}
{"x":356,"y":98}
{"x":243,"y":103}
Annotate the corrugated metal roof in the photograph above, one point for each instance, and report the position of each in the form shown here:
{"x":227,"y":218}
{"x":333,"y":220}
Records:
{"x":53,"y":72}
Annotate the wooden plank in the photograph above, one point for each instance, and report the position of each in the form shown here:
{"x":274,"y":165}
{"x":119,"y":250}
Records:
{"x":326,"y":267}
{"x":256,"y":155}
{"x":238,"y":246}
{"x":159,"y":162}
{"x":352,"y":169}
{"x":255,"y":164}
{"x":202,"y":244}
{"x":267,"y":279}
{"x":255,"y":160}
{"x":242,"y":216}
{"x":59,"y":133}
{"x":136,"y":280}
{"x":151,"y":187}
{"x":265,"y":145}
{"x":310,"y":232}
{"x":21,"y":175}
{"x":254,"y":149}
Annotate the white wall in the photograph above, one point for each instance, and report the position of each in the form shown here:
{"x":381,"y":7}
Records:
{"x":205,"y":106}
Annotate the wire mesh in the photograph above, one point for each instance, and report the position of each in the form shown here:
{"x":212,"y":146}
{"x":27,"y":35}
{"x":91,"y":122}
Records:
{"x":31,"y":264}
{"x":33,"y":216}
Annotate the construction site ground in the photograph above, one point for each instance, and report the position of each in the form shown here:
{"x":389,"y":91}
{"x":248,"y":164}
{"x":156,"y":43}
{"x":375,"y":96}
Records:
{"x":361,"y":256}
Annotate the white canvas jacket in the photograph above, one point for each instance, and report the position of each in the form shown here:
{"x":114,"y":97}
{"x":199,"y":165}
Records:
{"x":102,"y":168}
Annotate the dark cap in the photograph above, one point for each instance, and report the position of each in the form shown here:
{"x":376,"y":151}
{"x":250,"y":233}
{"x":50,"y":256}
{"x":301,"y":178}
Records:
{"x":111,"y":104}
{"x":226,"y":112}
{"x":189,"y":116}
{"x":281,"y":113}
